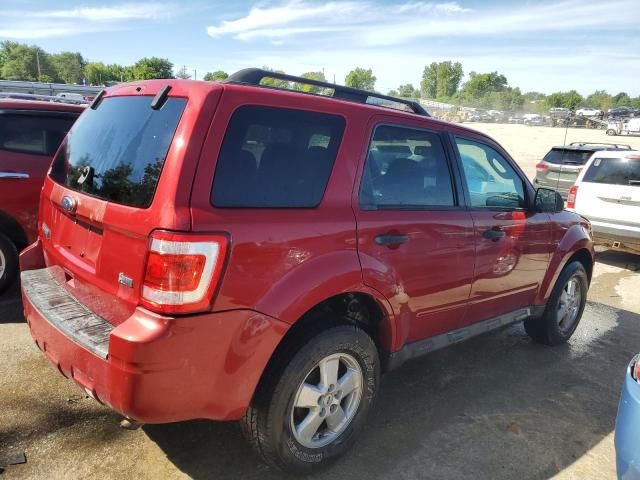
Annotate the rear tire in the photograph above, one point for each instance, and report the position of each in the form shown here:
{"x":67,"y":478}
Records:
{"x":293,"y":395}
{"x":564,"y":308}
{"x":611,"y":132}
{"x":8,"y":262}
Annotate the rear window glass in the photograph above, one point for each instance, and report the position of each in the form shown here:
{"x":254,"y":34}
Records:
{"x":117,"y":151}
{"x":276,"y":158}
{"x":33,"y":133}
{"x":614,"y":171}
{"x":574,"y":157}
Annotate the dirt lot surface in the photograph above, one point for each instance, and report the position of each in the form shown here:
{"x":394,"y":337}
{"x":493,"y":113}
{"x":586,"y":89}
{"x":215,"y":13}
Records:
{"x":496,"y":407}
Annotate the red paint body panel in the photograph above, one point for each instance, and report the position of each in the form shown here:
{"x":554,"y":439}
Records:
{"x":19,"y":197}
{"x":280,"y":263}
{"x":157,"y":365}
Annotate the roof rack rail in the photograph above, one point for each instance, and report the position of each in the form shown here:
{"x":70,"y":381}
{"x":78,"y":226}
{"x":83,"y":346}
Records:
{"x":253,"y":76}
{"x":617,"y":145}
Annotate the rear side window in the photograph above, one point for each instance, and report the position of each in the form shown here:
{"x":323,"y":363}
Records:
{"x":614,"y":171}
{"x":405,"y":169}
{"x":574,"y":157}
{"x":276,"y":158}
{"x":117,"y":151}
{"x":34,"y":133}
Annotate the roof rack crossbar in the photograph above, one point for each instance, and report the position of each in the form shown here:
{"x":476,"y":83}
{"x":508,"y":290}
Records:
{"x":617,"y":145}
{"x":253,"y":76}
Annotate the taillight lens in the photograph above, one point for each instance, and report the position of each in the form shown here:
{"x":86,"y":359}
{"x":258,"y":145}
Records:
{"x":541,"y":167}
{"x":571,"y":198}
{"x":182,"y":271}
{"x":635,"y":370}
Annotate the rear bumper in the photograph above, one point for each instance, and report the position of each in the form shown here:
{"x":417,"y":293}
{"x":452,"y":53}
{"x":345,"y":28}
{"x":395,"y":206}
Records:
{"x":159,"y":369}
{"x":627,"y":436}
{"x":611,"y":236}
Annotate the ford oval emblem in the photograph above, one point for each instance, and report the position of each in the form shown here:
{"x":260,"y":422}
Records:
{"x":69,"y":204}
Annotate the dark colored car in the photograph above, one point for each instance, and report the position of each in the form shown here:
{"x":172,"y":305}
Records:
{"x":560,"y":167}
{"x":622,"y":112}
{"x":30,"y":133}
{"x":627,"y":436}
{"x":231,"y":251}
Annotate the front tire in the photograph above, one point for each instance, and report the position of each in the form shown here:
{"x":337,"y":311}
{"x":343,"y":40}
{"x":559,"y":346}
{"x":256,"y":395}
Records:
{"x":564,"y":308}
{"x":314,"y":400}
{"x":8,"y":263}
{"x":611,"y":132}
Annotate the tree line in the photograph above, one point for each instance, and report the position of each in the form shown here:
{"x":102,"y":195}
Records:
{"x":441,"y":81}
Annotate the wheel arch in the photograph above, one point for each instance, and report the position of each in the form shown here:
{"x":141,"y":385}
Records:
{"x":12,"y":230}
{"x":575,"y":245}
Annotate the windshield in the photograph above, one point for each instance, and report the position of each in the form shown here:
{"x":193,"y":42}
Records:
{"x":116,"y":152}
{"x":559,"y":156}
{"x":614,"y":171}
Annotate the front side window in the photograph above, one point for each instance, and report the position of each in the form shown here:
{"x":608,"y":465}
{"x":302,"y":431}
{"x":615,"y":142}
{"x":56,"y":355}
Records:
{"x":405,"y":169}
{"x":116,"y":152}
{"x":491,"y":181}
{"x":276,"y":158}
{"x":37,"y":134}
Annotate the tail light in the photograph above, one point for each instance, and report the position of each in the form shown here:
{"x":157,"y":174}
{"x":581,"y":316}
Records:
{"x":541,"y":167}
{"x":635,"y":370}
{"x":182,"y":271}
{"x":571,"y":198}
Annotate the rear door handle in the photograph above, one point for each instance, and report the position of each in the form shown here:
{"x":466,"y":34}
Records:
{"x":13,"y":176}
{"x":493,"y":234}
{"x":389,"y":239}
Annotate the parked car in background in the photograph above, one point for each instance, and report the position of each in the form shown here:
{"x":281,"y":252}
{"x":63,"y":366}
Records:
{"x":189,"y":280}
{"x":560,"y":167}
{"x":516,"y":119}
{"x":607,"y":192}
{"x":627,"y":436}
{"x":534,"y":120}
{"x":30,"y":133}
{"x":622,"y":112}
{"x":589,"y":112}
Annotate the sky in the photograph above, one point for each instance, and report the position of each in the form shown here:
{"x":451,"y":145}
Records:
{"x":543,"y":46}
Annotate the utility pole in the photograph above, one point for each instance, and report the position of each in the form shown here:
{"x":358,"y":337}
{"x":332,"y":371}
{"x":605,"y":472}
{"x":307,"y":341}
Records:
{"x":195,"y":74}
{"x":38,"y":64}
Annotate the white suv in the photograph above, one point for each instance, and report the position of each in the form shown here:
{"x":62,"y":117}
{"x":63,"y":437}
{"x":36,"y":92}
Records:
{"x":607,"y":192}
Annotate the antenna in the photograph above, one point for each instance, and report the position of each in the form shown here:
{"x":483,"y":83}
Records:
{"x":564,"y":150}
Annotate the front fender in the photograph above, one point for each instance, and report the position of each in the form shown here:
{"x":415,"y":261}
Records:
{"x":319,"y":279}
{"x":576,"y":238}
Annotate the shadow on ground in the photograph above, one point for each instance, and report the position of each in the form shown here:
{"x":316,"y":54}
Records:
{"x":495,"y":407}
{"x":614,"y":258}
{"x":11,"y":306}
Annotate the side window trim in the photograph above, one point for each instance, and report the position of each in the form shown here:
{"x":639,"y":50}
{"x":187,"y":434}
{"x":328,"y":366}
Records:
{"x":510,"y":162}
{"x":458,"y":196}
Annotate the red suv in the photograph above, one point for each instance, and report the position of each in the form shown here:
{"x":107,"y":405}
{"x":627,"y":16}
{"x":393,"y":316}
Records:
{"x":30,"y":134}
{"x":236,"y":252}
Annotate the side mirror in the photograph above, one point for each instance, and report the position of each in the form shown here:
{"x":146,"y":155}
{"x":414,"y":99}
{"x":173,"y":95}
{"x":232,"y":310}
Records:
{"x":548,"y":200}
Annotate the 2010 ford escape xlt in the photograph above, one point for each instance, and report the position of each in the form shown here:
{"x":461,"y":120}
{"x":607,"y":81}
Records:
{"x":236,"y":252}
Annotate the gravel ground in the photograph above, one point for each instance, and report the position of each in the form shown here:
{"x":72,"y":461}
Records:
{"x":496,"y":407}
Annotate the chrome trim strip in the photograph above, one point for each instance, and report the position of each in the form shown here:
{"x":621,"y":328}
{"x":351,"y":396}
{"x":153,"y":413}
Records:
{"x":14,"y":175}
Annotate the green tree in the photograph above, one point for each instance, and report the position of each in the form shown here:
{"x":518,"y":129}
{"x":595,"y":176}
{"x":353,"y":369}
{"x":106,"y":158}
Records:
{"x":599,"y":99}
{"x":570,"y":99}
{"x":303,"y":87}
{"x":215,"y":76}
{"x":441,"y":80}
{"x":406,"y":91}
{"x":152,"y":67}
{"x":621,"y":99}
{"x":274,"y":82}
{"x":361,"y":78}
{"x":24,"y":62}
{"x":479,"y":84}
{"x":69,"y":66}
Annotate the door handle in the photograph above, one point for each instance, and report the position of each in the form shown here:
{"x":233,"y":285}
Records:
{"x":493,"y":234}
{"x":13,"y":176}
{"x":390,"y":239}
